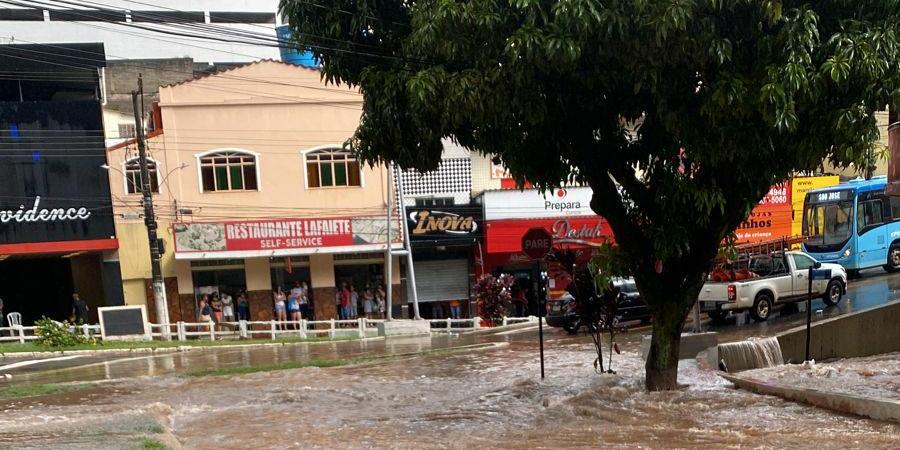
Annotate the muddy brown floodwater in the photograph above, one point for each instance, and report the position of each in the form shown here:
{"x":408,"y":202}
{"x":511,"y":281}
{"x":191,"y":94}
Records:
{"x":484,"y":398}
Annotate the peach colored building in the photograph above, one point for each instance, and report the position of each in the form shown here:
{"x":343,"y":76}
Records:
{"x":253,"y":191}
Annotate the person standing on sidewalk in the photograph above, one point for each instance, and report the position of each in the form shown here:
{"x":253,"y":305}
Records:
{"x":454,"y":309}
{"x":280,"y":307}
{"x":304,"y":301}
{"x":345,"y":301}
{"x":243,"y":306}
{"x":354,"y":302}
{"x":227,"y":307}
{"x":79,"y":309}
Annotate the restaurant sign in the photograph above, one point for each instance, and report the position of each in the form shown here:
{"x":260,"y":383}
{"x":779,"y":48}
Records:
{"x":282,"y":234}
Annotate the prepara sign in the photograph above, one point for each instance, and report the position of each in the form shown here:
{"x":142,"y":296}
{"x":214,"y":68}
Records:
{"x":533,"y":204}
{"x":37,"y":214}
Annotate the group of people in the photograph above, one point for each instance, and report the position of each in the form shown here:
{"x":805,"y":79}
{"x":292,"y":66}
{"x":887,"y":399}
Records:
{"x":220,"y":308}
{"x":349,"y":302}
{"x":293,"y":306}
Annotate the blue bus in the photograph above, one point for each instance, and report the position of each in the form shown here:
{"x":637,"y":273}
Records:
{"x":853,"y":224}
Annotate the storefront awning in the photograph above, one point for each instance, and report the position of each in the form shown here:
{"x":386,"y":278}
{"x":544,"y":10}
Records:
{"x":59,"y":247}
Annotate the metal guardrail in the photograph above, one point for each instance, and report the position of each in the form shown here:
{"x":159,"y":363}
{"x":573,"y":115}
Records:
{"x":272,"y":329}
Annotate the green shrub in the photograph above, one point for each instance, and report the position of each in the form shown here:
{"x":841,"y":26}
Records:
{"x":54,"y":334}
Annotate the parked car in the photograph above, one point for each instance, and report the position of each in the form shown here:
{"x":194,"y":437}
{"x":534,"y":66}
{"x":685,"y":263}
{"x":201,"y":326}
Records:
{"x":631,"y":306}
{"x":771,"y":279}
{"x":563,"y":312}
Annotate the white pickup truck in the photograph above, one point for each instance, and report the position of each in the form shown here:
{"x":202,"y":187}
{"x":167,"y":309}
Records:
{"x":782,"y":278}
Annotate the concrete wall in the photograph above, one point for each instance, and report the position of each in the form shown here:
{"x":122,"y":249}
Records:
{"x":870,"y":332}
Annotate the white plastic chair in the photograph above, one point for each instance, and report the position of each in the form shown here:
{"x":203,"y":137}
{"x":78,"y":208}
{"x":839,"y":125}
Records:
{"x":14,"y":322}
{"x":14,"y":319}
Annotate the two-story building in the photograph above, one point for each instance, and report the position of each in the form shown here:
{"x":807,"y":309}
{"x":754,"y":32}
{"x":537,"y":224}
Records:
{"x":253,"y":192}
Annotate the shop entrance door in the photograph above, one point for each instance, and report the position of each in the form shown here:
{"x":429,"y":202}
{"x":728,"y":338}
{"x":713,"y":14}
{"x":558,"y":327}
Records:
{"x":36,"y":287}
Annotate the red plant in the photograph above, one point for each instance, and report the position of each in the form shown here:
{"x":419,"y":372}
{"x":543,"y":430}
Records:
{"x":492,"y":295}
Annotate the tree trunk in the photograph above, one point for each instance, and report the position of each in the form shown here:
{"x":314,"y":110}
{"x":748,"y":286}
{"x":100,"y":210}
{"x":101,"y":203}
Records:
{"x":662,"y":362}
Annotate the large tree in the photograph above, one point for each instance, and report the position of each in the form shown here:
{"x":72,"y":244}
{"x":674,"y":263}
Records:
{"x":679,"y":114}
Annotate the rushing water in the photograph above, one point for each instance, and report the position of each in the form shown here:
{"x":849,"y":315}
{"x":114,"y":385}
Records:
{"x":750,"y":354}
{"x":491,"y":398}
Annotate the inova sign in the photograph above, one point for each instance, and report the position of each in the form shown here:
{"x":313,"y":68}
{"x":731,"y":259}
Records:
{"x":446,"y":222}
{"x":533,"y":204}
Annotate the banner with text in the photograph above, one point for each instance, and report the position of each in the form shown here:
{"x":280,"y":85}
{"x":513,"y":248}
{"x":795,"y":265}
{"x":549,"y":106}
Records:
{"x":771,"y":219}
{"x":283,"y":234}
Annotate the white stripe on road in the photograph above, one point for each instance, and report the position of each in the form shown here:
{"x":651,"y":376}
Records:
{"x":32,"y":362}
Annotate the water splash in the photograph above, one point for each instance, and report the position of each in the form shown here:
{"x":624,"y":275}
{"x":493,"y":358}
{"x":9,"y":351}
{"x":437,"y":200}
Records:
{"x":750,"y":354}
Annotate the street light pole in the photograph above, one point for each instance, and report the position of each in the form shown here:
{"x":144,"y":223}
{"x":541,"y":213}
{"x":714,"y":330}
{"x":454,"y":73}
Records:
{"x":409,"y":256}
{"x":159,"y":291}
{"x":388,"y":275}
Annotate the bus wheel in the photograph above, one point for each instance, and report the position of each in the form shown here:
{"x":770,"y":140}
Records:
{"x":893,"y":262}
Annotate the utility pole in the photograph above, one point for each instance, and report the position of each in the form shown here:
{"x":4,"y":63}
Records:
{"x":409,"y":256}
{"x":388,"y":273}
{"x":159,"y":290}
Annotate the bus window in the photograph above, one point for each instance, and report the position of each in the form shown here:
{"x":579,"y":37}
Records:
{"x":827,"y":224}
{"x":868,"y":215}
{"x":895,"y":207}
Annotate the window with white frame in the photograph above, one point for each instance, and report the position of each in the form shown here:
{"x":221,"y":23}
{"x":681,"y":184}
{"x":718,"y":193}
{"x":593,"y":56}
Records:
{"x":332,"y":167}
{"x":228,"y":171}
{"x":133,"y":180}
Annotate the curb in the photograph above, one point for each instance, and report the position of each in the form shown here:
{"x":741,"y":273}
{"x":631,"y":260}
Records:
{"x":180,"y":348}
{"x":880,"y":409}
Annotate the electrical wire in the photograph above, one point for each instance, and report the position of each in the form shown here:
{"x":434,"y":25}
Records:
{"x":208,"y":37}
{"x":198,"y":85}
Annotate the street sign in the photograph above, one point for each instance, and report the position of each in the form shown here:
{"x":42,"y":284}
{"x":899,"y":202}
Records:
{"x":820,"y":274}
{"x":814,"y":274}
{"x":536,"y":243}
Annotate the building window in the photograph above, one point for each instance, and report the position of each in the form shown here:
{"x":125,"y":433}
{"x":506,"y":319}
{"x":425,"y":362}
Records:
{"x":331,"y":168}
{"x":228,"y":171}
{"x":443,"y":201}
{"x":133,"y":180}
{"x":126,"y":130}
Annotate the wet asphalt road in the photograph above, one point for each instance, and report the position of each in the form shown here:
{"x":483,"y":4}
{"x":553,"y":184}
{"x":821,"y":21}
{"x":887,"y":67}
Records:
{"x":874,"y":288}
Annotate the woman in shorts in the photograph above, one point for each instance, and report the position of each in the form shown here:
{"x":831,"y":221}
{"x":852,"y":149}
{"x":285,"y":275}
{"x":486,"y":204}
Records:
{"x":280,"y":307}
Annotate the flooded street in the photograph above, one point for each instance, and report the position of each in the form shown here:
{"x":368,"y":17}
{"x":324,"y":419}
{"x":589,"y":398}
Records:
{"x":489,"y":397}
{"x":486,"y":395}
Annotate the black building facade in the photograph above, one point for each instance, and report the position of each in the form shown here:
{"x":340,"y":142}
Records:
{"x":444,"y":241}
{"x":57,"y":234}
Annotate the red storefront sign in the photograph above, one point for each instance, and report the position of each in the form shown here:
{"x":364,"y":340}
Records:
{"x":771,"y":219}
{"x":279,"y":234}
{"x":505,"y":236}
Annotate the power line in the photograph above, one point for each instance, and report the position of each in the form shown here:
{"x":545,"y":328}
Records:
{"x":201,"y":86}
{"x":207,"y":37}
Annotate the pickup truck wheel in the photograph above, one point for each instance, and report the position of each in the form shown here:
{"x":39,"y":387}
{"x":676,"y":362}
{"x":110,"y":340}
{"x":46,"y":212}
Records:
{"x":833,"y":293}
{"x":893,"y":260}
{"x":762,"y":307}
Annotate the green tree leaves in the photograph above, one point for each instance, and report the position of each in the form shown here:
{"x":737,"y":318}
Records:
{"x":678,"y":113}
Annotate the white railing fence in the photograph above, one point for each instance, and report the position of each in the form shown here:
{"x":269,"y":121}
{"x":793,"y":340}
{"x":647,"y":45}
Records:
{"x":19,"y":333}
{"x":474,"y":324}
{"x":272,"y":329}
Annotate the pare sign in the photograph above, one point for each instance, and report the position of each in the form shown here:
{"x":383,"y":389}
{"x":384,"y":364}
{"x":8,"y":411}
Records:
{"x":537,"y":243}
